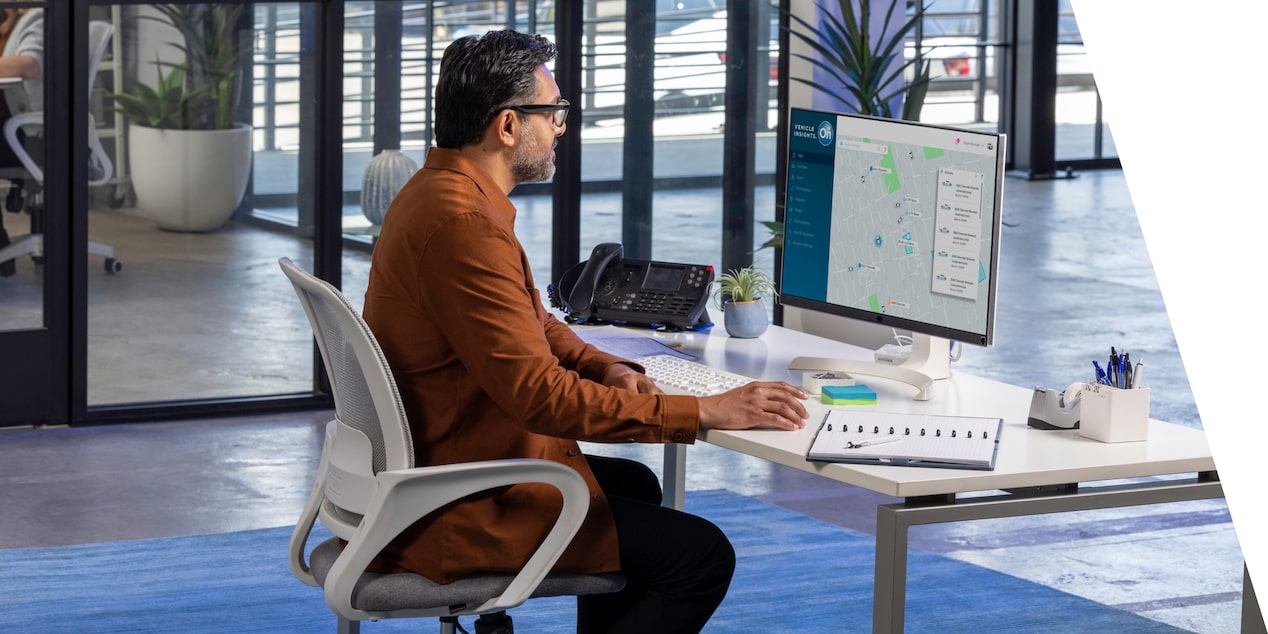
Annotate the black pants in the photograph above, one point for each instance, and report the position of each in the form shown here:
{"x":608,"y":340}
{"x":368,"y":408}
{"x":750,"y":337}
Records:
{"x":677,"y":566}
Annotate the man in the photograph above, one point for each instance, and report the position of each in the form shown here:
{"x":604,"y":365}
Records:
{"x":487,"y":373}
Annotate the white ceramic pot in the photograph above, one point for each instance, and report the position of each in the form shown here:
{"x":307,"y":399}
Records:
{"x":189,"y":180}
{"x":745,"y":320}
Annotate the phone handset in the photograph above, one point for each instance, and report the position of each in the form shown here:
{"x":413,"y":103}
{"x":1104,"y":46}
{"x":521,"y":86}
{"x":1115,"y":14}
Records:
{"x":604,"y":255}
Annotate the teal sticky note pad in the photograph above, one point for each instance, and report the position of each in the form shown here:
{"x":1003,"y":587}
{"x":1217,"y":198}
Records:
{"x":852,"y":393}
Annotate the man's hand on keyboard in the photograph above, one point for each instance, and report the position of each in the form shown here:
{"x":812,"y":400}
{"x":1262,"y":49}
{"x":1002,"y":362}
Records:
{"x":623,"y":376}
{"x":758,"y":404}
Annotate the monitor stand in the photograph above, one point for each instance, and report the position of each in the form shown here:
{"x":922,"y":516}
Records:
{"x":929,"y":361}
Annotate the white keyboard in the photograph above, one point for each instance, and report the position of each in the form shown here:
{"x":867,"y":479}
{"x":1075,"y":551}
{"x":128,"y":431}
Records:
{"x":676,"y":375}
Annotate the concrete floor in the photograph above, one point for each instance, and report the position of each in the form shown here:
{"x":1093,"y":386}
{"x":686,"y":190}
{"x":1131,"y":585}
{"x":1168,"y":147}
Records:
{"x":1177,"y":563}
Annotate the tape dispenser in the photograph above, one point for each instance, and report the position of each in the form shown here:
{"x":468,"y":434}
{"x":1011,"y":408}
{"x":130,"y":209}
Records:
{"x":1050,"y":409}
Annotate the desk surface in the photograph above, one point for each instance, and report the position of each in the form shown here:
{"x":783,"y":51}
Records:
{"x":1027,"y":457}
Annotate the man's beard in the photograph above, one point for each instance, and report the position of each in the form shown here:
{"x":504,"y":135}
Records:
{"x":529,"y":164}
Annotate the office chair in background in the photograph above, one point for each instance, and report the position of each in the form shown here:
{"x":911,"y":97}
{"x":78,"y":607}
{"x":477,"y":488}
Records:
{"x":368,"y":490}
{"x":100,"y":168}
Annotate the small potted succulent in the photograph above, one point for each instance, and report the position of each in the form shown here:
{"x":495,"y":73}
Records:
{"x":742,"y":295}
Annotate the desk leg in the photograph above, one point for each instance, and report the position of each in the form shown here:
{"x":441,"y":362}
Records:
{"x":675,"y":475}
{"x":1252,"y":617}
{"x":889,"y":589}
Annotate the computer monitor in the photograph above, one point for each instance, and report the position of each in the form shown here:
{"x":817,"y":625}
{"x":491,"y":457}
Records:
{"x":895,"y":223}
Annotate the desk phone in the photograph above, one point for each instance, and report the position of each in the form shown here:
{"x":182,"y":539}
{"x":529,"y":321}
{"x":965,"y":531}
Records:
{"x":611,"y":288}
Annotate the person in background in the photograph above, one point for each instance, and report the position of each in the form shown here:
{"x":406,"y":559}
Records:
{"x":487,"y":373}
{"x":22,"y":57}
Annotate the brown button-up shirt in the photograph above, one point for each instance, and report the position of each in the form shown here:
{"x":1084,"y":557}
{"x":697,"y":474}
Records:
{"x":487,"y":373}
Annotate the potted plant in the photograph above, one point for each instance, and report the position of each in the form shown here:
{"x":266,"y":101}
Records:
{"x":189,"y":157}
{"x":742,"y":295}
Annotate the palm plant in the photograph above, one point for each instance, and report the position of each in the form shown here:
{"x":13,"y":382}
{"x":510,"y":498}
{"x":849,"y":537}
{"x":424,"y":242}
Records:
{"x":863,"y":70}
{"x":203,"y":92}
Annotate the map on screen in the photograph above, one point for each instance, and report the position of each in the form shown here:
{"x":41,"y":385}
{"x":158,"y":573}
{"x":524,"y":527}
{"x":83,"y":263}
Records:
{"x":892,"y":218}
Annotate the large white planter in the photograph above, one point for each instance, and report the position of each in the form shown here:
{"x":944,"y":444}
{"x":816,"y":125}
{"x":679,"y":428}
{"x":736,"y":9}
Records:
{"x":189,"y":180}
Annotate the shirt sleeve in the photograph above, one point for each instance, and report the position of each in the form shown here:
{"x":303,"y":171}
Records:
{"x":27,"y":40}
{"x":573,"y":352}
{"x":474,"y":277}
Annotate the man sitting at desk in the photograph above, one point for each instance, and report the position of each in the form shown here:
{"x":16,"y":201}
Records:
{"x":487,"y":373}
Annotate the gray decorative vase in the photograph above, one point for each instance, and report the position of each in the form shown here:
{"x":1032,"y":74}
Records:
{"x":745,"y":320}
{"x":384,"y":177}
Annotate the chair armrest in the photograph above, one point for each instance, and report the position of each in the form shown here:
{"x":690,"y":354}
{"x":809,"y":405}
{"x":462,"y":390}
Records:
{"x":405,"y":496}
{"x":11,"y":137}
{"x":304,"y":527}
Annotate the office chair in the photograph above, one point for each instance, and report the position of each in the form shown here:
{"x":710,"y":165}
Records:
{"x":101,"y":170}
{"x":368,"y":490}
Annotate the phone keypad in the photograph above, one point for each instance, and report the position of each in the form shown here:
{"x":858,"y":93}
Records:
{"x":624,"y":300}
{"x":697,"y":276}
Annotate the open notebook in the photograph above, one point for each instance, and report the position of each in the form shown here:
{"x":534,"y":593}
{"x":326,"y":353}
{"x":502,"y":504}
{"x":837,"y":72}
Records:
{"x":915,"y":440}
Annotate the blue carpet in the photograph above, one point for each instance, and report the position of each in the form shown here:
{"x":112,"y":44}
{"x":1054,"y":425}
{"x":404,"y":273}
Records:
{"x":795,"y":574}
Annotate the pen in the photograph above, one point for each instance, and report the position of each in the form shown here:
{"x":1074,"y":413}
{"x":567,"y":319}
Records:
{"x":1113,"y":367}
{"x":1128,"y":381}
{"x":1100,"y":374}
{"x":874,"y":441}
{"x":1121,"y":378}
{"x":1136,"y":374}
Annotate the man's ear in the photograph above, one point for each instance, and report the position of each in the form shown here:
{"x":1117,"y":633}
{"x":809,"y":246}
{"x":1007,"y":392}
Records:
{"x":505,"y":128}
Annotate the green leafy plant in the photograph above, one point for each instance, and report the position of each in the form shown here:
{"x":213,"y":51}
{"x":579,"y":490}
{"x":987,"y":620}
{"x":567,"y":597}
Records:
{"x":863,"y":69}
{"x":203,"y":92}
{"x":166,"y":105}
{"x":743,"y":285}
{"x":776,"y":229}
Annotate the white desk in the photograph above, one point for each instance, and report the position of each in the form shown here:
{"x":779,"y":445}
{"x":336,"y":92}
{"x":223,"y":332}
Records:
{"x":1036,"y":472}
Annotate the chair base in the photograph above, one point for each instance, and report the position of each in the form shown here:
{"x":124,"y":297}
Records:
{"x":33,"y":244}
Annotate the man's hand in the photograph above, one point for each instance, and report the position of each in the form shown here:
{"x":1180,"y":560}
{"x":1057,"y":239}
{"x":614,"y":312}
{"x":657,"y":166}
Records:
{"x":624,"y":377}
{"x":759,"y":404}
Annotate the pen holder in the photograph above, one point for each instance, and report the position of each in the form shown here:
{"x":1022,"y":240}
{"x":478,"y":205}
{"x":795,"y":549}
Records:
{"x":1113,"y":415}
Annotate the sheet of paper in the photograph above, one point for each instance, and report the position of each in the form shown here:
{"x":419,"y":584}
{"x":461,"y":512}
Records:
{"x":628,"y":346}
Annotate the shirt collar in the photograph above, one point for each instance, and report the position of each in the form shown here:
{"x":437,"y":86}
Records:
{"x":453,"y":160}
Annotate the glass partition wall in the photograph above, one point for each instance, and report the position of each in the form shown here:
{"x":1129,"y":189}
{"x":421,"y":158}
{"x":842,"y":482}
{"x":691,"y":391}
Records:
{"x":200,"y":311}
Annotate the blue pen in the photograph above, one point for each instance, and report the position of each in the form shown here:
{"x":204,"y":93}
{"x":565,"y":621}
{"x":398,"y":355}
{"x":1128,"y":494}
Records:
{"x":1100,"y":374}
{"x":1121,"y":366}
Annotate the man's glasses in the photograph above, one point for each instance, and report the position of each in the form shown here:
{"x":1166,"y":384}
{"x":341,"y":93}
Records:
{"x":558,"y":111}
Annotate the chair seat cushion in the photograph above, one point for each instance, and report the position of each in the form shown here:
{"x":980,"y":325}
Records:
{"x":403,"y":591}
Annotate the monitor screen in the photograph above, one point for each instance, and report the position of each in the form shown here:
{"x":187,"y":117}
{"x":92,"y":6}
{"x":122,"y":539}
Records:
{"x":893,"y":222}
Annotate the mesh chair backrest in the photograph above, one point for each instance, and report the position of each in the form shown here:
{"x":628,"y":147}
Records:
{"x":366,"y":396}
{"x":100,"y":168}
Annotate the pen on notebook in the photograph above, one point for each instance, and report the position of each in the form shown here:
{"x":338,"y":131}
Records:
{"x":875,"y":441}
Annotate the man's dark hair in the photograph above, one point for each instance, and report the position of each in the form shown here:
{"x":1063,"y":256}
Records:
{"x":480,"y":75}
